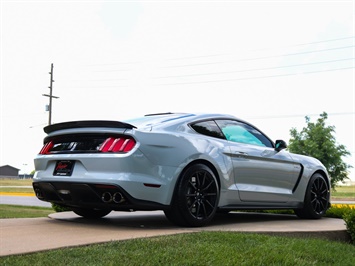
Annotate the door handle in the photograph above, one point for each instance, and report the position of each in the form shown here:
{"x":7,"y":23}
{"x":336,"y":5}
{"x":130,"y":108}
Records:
{"x":240,"y":154}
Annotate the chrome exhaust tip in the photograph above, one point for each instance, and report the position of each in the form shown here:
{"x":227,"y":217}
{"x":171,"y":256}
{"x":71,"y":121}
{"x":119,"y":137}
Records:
{"x":118,"y":198}
{"x":106,"y":197}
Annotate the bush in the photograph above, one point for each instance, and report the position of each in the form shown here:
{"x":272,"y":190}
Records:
{"x":338,"y":211}
{"x":60,"y":208}
{"x":349,"y":218}
{"x":347,"y":213}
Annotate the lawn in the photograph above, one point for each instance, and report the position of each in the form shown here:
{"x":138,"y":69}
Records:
{"x":15,"y":211}
{"x":16,"y":186}
{"x":15,"y":182}
{"x":203,"y":248}
{"x":344,"y":193}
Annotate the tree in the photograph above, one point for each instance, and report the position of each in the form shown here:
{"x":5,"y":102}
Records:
{"x":317,"y":140}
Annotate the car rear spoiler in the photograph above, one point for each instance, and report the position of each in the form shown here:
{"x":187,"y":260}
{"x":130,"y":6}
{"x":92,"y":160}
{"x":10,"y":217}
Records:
{"x":88,"y":123}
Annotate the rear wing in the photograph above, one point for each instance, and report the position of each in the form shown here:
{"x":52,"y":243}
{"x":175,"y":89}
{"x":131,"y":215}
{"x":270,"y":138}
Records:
{"x":88,"y":123}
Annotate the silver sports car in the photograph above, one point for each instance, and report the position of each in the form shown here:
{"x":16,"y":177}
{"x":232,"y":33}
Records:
{"x":191,"y":166}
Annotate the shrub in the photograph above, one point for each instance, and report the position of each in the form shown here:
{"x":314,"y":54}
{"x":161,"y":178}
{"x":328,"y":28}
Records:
{"x":60,"y":208}
{"x":349,"y":218}
{"x":347,"y":213}
{"x":338,"y":211}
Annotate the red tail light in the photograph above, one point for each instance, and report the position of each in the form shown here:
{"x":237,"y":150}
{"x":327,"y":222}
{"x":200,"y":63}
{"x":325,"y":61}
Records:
{"x":122,"y":144}
{"x":83,"y":144}
{"x":46,"y":148}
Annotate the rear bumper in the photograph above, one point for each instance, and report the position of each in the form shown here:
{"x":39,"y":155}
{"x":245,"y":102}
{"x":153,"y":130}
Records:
{"x":87,"y":195}
{"x":133,"y":174}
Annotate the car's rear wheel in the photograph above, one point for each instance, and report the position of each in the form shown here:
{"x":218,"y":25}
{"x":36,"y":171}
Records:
{"x":91,"y":213}
{"x":316,"y":200}
{"x":196,"y":198}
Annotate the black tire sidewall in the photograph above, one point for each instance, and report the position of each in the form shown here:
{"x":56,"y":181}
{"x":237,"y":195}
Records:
{"x":181,"y":195}
{"x":308,"y":208}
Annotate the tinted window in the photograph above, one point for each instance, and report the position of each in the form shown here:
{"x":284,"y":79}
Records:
{"x":240,"y":132}
{"x":208,"y":128}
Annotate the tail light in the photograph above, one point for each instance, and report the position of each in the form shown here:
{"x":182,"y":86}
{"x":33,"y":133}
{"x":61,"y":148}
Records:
{"x":122,"y":144}
{"x":89,"y":145}
{"x":47,"y":148}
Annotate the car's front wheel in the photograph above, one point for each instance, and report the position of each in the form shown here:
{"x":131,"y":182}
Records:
{"x":316,"y":201}
{"x":91,"y":213}
{"x":196,"y":198}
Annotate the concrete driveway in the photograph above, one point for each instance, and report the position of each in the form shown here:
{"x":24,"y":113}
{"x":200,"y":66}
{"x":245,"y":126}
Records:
{"x":67,"y":229}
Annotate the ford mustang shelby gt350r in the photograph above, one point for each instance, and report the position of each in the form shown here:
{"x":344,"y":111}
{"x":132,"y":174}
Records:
{"x":188,"y":165}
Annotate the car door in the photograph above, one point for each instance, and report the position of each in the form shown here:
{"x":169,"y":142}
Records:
{"x":261,"y":173}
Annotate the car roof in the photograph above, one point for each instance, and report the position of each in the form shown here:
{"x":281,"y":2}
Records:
{"x":168,"y":118}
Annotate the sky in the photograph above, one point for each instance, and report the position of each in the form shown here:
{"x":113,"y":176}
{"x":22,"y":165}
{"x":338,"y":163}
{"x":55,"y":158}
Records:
{"x":268,"y":62}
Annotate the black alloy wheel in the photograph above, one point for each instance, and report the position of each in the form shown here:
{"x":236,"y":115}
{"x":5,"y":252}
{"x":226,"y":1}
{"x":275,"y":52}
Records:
{"x":196,"y":199}
{"x":316,"y":200}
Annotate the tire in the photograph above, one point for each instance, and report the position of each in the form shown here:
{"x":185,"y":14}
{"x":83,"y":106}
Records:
{"x":91,"y":213}
{"x":174,"y":216}
{"x":196,"y":197}
{"x":316,"y":201}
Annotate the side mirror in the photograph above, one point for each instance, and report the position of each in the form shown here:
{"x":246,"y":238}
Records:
{"x":280,"y":145}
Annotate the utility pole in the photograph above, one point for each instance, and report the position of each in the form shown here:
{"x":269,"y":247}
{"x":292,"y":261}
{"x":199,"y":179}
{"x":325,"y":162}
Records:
{"x":50,"y":96}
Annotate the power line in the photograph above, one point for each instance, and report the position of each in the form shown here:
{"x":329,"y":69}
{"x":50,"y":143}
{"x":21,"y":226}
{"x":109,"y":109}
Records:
{"x":218,"y":80}
{"x":262,"y":57}
{"x":299,"y":115}
{"x":219,"y":54}
{"x":236,"y":71}
{"x":254,"y":69}
{"x":224,"y":72}
{"x":125,"y":71}
{"x":329,"y":40}
{"x":227,"y":54}
{"x":256,"y":77}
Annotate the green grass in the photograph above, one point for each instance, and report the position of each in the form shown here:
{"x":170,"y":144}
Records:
{"x":15,"y":211}
{"x":17,"y":189}
{"x":344,"y":192}
{"x":15,"y":182}
{"x":20,"y":185}
{"x":203,"y":248}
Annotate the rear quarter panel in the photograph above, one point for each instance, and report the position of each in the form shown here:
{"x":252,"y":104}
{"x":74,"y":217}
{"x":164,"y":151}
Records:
{"x":178,"y":150}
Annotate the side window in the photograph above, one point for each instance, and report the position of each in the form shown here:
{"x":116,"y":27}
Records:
{"x":240,"y":132}
{"x":208,"y":128}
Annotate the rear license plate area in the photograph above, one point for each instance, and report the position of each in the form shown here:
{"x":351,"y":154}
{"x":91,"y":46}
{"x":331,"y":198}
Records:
{"x":64,"y":168}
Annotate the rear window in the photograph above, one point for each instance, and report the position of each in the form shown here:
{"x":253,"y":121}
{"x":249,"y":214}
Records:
{"x":208,"y":128}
